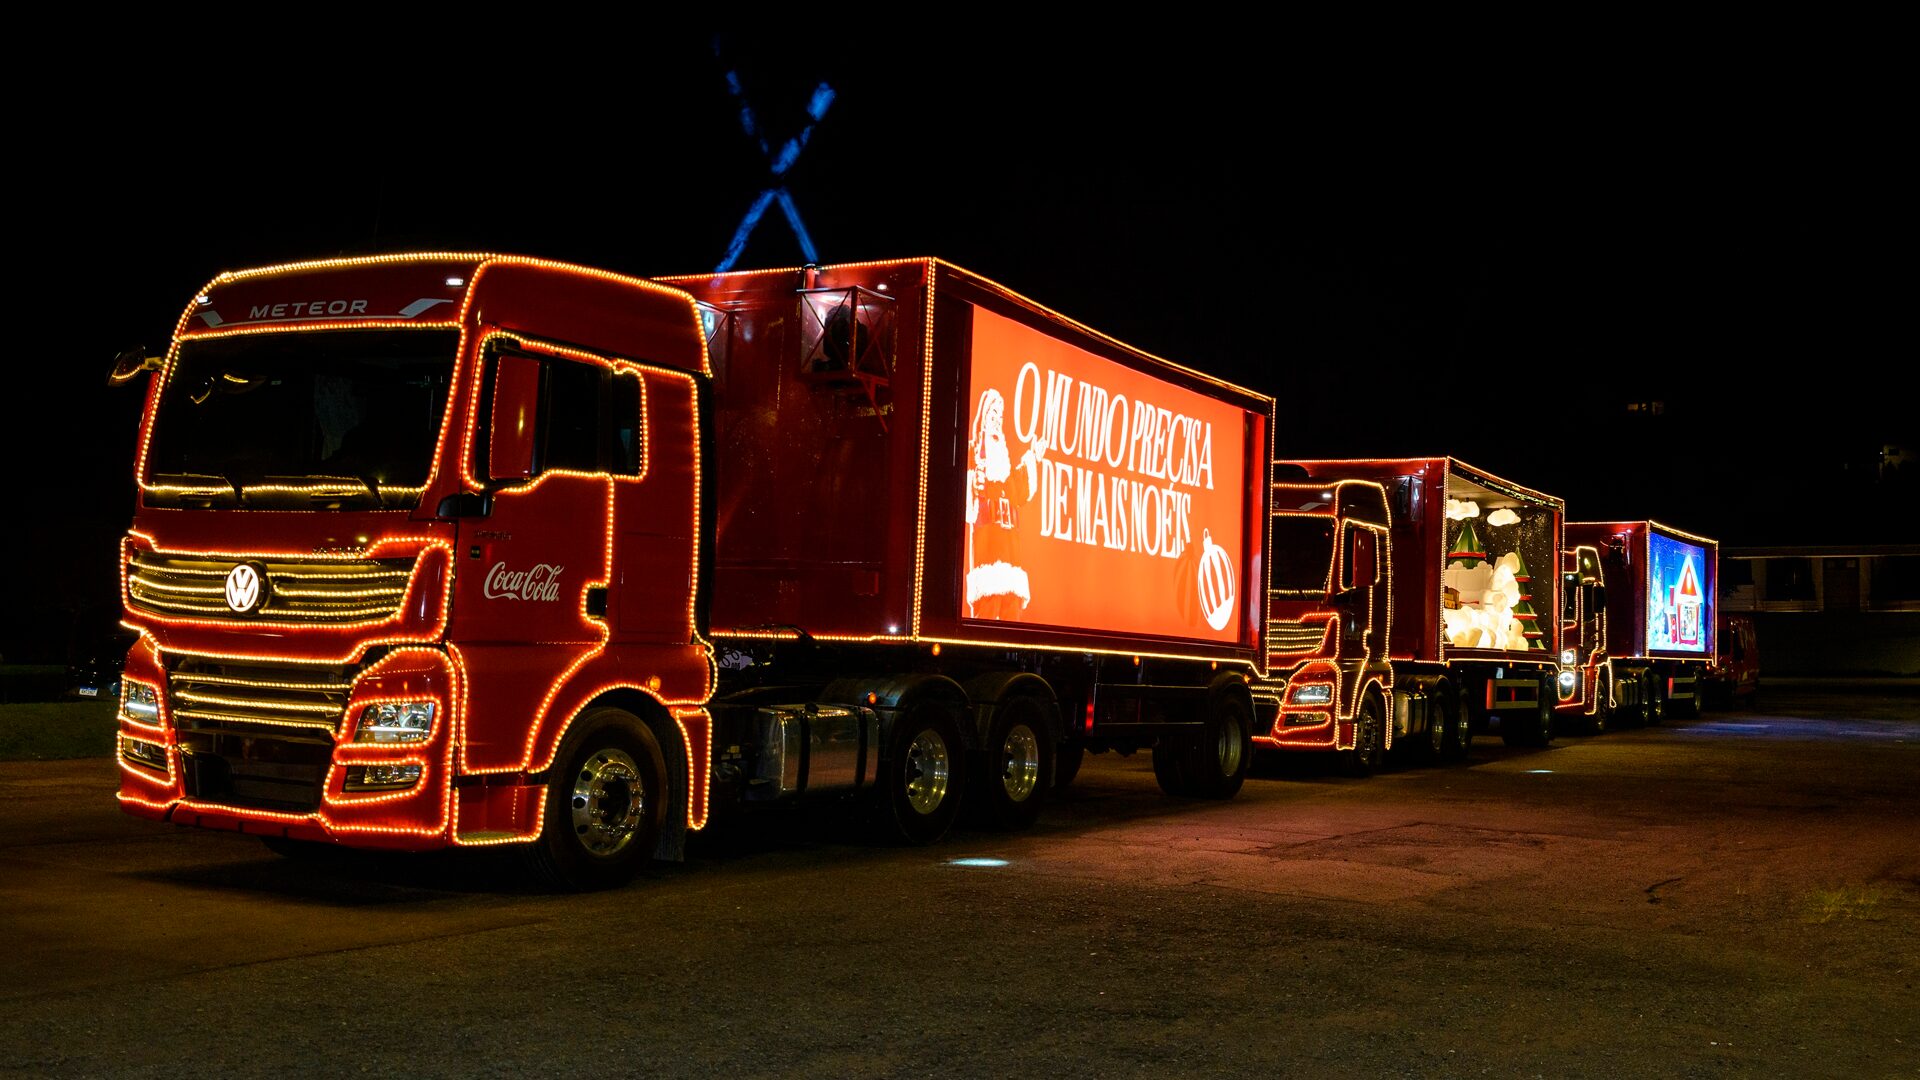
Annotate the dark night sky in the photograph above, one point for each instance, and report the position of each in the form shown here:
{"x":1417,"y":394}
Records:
{"x":1464,"y":255}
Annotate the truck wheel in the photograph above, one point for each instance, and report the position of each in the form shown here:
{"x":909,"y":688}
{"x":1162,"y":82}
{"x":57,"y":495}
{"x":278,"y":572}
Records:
{"x":1634,"y":714}
{"x":1364,"y":758}
{"x":1458,"y":739}
{"x":1690,"y":708}
{"x":1434,"y":747}
{"x":1655,"y":709}
{"x":1067,"y":759}
{"x":1009,"y":791}
{"x":1529,"y":729}
{"x":605,"y":804}
{"x":1170,"y":767}
{"x":924,"y":773}
{"x":1602,"y":707}
{"x":1218,"y":761}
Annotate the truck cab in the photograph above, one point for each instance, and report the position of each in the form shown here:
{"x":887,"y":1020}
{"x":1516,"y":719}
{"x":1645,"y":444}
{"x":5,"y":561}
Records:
{"x":1734,"y":677}
{"x":1585,"y":681}
{"x":1331,"y":685}
{"x":415,"y":561}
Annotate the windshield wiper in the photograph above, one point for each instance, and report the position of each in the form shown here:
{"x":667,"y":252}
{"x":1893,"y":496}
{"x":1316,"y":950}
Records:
{"x":182,"y":487}
{"x":330,"y":488}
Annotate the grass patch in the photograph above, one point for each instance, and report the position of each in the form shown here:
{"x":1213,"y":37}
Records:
{"x":1847,"y":902}
{"x":52,"y":730}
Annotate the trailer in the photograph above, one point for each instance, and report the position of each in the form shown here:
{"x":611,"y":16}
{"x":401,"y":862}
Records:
{"x":1660,"y":602}
{"x":451,"y":550}
{"x":1413,"y":603}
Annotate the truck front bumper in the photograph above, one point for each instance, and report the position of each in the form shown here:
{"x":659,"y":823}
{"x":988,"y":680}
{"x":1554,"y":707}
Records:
{"x":224,"y":761}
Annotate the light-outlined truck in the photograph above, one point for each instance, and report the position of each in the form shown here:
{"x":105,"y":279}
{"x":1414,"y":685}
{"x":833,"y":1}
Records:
{"x":1410,"y":599}
{"x":1660,"y":615}
{"x":441,"y":550}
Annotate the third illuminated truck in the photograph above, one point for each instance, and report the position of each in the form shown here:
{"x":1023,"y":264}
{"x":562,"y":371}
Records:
{"x":1657,"y":591}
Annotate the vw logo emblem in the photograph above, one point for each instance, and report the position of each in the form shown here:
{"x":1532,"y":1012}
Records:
{"x":246,"y":588}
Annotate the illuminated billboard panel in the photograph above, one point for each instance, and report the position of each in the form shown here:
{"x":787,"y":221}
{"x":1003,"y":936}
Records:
{"x":1097,"y":496}
{"x":1679,"y":596}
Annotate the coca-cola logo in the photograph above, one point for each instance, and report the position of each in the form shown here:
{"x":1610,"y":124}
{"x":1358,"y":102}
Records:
{"x":541,"y":582}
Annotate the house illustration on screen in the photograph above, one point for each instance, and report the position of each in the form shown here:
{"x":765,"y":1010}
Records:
{"x":1683,"y":607}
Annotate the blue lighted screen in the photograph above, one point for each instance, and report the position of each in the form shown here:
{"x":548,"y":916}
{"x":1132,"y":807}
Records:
{"x":1679,"y":596}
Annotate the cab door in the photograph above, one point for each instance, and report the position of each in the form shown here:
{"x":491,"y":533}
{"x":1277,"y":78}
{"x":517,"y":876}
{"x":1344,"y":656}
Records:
{"x":534,"y":566}
{"x":534,"y":569}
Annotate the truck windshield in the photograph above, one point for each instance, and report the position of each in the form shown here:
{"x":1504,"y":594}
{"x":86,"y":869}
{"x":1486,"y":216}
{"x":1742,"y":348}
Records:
{"x":337,"y":420}
{"x":1302,"y":554}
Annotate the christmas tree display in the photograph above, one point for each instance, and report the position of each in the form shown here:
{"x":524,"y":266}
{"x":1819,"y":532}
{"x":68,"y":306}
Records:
{"x":1468,"y":570}
{"x":1468,"y":550}
{"x":1523,"y":610}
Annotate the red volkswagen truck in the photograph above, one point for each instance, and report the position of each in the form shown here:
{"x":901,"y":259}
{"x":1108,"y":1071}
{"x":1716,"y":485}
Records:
{"x":1660,"y":615}
{"x":451,"y":550}
{"x":1411,"y":599}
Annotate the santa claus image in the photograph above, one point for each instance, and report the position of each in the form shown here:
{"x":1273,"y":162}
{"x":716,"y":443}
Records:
{"x":997,"y":585}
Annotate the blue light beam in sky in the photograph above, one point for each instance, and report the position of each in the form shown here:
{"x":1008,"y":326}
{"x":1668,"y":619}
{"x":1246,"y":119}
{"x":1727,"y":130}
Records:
{"x":777,"y":166}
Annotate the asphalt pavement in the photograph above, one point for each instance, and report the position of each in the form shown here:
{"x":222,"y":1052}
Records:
{"x":1737,"y":895}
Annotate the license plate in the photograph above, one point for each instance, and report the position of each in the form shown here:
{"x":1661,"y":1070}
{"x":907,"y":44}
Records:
{"x":88,"y":691}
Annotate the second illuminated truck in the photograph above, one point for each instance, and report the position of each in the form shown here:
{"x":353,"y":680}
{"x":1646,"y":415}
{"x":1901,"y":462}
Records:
{"x":1410,"y":599}
{"x":458,"y":550}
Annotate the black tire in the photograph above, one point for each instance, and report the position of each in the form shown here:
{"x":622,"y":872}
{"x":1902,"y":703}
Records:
{"x":1432,"y":748}
{"x":1459,"y":736}
{"x":1170,"y":767}
{"x":1364,"y":758}
{"x":1690,"y":708}
{"x":1602,"y":708}
{"x":1534,"y":728}
{"x":924,"y":774}
{"x":1634,"y":715}
{"x":1217,"y":762}
{"x":1067,"y":760}
{"x":1541,"y":733}
{"x":606,"y":804}
{"x":1009,"y":791}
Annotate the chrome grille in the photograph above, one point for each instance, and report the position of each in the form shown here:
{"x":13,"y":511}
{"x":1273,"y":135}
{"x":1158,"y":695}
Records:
{"x":307,"y":591}
{"x":257,"y":735}
{"x":1295,"y":637}
{"x":203,"y":694}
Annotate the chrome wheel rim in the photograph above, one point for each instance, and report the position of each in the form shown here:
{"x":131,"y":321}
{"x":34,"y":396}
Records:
{"x":927,"y":771}
{"x":1020,"y":771}
{"x":608,"y":802}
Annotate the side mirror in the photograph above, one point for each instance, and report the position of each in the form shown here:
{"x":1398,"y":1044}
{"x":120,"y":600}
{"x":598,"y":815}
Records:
{"x":130,"y":364}
{"x":512,"y":417}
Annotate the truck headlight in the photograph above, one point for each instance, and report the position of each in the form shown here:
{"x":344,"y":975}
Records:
{"x":140,"y":701}
{"x":1568,"y":657}
{"x":1311,"y":694}
{"x":395,"y":721}
{"x":1568,"y":679}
